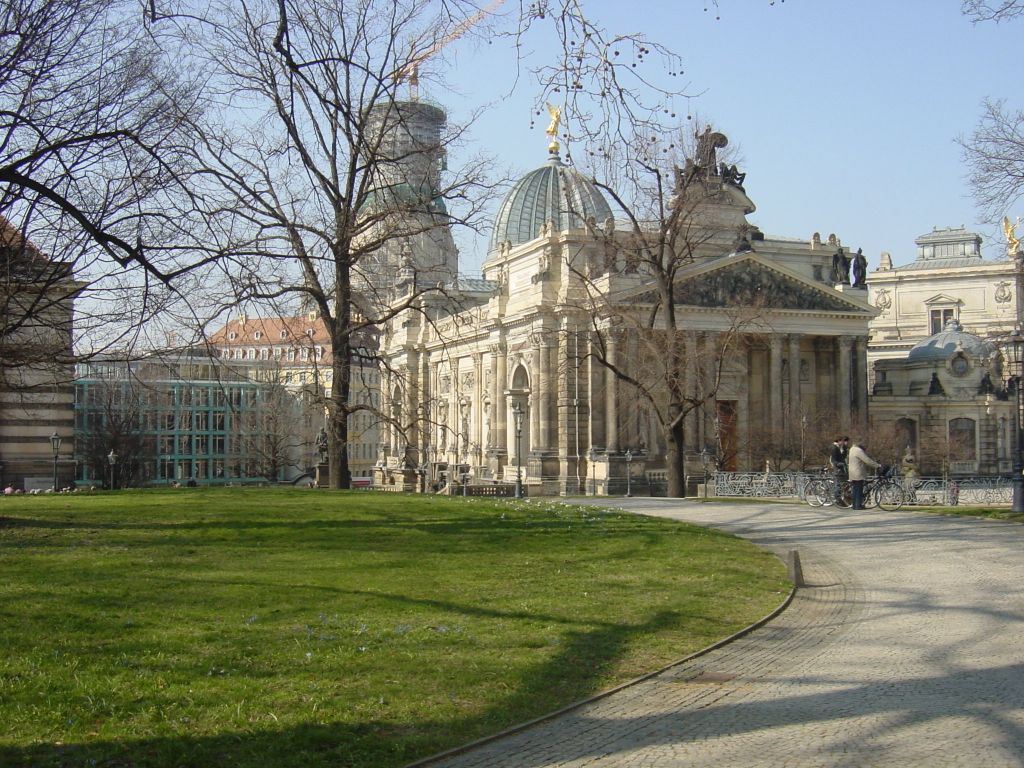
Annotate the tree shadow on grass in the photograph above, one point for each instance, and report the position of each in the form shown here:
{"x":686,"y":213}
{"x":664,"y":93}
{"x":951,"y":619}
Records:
{"x":579,"y":669}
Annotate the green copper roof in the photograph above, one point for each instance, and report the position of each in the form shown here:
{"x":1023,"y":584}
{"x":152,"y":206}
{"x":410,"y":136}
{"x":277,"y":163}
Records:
{"x":553,"y":192}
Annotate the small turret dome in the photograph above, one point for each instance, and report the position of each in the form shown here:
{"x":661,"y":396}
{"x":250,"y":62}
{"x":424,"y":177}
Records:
{"x":949,"y":340}
{"x":553,"y":192}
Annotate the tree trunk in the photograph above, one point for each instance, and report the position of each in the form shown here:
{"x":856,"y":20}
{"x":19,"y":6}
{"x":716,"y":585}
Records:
{"x":675,"y":463}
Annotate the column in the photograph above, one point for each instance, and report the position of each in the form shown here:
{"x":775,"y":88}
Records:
{"x":861,"y":384}
{"x":708,"y":355}
{"x":695,"y":436}
{"x":544,"y":396}
{"x":500,"y":401}
{"x":477,"y":413}
{"x":794,"y":376}
{"x":843,"y":381}
{"x":535,"y":392}
{"x":493,"y":350}
{"x":611,"y":405}
{"x":743,"y":405}
{"x":775,"y":378}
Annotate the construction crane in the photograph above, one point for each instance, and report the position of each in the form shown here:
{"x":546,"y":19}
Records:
{"x":410,"y":71}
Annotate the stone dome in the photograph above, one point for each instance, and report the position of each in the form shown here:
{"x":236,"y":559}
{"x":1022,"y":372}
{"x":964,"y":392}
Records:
{"x":947,"y":341}
{"x":553,"y":192}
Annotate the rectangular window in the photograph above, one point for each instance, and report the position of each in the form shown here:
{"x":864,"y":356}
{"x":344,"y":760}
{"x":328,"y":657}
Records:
{"x":939,"y":318}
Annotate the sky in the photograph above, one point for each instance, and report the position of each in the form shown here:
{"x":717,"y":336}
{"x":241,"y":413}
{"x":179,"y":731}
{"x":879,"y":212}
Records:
{"x":845,"y":114}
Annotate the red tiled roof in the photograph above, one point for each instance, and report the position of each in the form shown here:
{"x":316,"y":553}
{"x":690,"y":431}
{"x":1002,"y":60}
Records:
{"x":245,"y":330}
{"x":11,"y":237}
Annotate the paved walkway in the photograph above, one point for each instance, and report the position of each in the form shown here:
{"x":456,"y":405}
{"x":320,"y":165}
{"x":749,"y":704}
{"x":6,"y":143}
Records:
{"x":906,"y":648}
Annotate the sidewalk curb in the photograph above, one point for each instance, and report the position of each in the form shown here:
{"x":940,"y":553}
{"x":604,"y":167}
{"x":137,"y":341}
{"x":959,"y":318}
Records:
{"x":454,"y":751}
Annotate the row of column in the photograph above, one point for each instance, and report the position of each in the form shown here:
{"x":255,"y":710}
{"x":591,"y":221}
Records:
{"x":491,"y":430}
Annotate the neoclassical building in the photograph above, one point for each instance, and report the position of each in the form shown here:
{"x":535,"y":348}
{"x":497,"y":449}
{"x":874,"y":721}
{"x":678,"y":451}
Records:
{"x":528,"y":341}
{"x":946,"y":404}
{"x":934,"y":352}
{"x":948,"y":280}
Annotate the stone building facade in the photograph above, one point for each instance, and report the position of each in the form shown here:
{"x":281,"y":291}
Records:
{"x":37,"y":298}
{"x":939,"y":390}
{"x":464,"y":362}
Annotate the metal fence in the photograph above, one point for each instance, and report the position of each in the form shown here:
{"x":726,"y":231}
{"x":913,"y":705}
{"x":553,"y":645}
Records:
{"x":925,"y":491}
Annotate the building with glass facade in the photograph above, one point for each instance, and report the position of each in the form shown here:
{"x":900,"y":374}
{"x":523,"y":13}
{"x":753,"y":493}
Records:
{"x":182,"y":417}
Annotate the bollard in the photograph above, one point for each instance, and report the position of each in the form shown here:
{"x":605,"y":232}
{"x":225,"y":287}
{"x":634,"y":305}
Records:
{"x":794,"y":569}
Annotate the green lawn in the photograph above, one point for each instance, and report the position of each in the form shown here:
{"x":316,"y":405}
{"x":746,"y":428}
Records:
{"x":284,"y":627}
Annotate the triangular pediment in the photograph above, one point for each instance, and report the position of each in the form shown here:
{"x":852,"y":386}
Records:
{"x":751,"y":283}
{"x":942,"y":298}
{"x":754,"y":280}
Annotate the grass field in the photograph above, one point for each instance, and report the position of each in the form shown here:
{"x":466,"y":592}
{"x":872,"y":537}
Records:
{"x":268,"y":627}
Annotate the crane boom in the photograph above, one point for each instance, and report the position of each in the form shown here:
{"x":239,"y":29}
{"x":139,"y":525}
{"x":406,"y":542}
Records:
{"x":410,"y":70}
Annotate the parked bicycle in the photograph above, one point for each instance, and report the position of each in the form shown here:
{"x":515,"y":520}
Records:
{"x":824,"y":491}
{"x":883,"y":490}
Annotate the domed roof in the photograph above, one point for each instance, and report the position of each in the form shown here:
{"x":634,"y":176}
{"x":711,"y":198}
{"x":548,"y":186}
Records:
{"x":947,"y":341}
{"x":553,"y":192}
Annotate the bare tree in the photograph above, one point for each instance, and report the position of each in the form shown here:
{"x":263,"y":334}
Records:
{"x":327,"y":181}
{"x":982,"y":10}
{"x":267,"y":434}
{"x":94,"y":205}
{"x":112,"y":421}
{"x":994,"y":154}
{"x":994,"y":151}
{"x":676,"y":217}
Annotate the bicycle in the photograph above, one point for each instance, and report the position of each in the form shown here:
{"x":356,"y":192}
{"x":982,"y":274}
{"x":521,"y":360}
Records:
{"x":823,"y":491}
{"x":882,"y":491}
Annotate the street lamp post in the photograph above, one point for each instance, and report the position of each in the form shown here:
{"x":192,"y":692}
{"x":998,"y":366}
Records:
{"x":517,"y":419}
{"x":593,"y":472}
{"x":112,"y":461}
{"x":1016,"y":353}
{"x":704,"y":463}
{"x":629,"y":473}
{"x":803,"y":433}
{"x":55,"y":441}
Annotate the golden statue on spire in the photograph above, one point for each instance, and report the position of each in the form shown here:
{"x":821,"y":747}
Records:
{"x":552,"y":129}
{"x":1010,"y":231}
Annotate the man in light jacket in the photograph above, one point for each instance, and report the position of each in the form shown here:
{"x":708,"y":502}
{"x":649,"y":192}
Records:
{"x":858,"y":464}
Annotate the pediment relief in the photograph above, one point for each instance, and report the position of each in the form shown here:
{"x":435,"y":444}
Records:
{"x":752,"y":284}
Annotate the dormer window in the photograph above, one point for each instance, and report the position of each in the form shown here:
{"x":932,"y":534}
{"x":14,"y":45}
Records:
{"x":284,"y":333}
{"x":258,"y":335}
{"x":232,"y":336}
{"x":310,"y":332}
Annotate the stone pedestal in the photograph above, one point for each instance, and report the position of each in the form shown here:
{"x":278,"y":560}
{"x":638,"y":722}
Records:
{"x":323,"y":475}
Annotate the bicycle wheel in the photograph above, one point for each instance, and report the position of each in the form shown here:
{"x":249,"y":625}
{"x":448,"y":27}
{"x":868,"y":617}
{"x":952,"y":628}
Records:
{"x":845,"y":496}
{"x":816,"y":492}
{"x":871,"y":494}
{"x":889,"y":495}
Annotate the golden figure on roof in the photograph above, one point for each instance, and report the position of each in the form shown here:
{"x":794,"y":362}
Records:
{"x":1009,"y":229}
{"x":552,"y":129}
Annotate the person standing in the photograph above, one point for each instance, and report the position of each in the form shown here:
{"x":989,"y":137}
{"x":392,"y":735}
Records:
{"x":837,"y":460}
{"x":859,"y":463}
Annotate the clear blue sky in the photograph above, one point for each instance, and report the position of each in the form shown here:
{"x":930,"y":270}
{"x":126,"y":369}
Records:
{"x":845,"y":113}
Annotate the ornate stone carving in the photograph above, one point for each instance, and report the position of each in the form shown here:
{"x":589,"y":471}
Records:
{"x":883,"y":299}
{"x":751,"y":284}
{"x":1003,"y":293}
